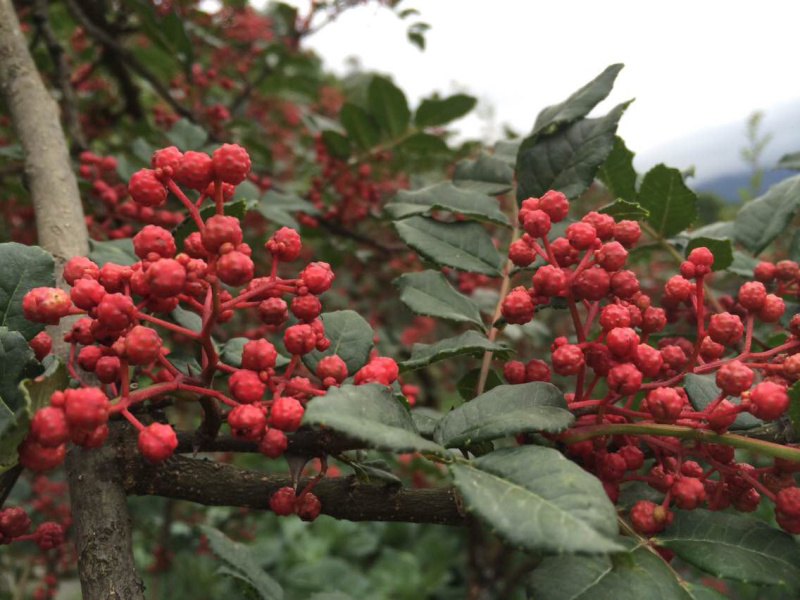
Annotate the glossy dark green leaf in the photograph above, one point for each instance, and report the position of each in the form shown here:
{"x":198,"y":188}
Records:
{"x":486,"y":175}
{"x":504,"y":411}
{"x":337,"y":144}
{"x":17,"y":364}
{"x":461,"y":245}
{"x":672,"y":205}
{"x":187,"y":136}
{"x":446,"y":196}
{"x":279,"y":207}
{"x":360,"y":126}
{"x":507,"y":150}
{"x":118,"y":251}
{"x":351,"y":339}
{"x":469,"y":342}
{"x":720,"y":248}
{"x":242,"y":564}
{"x":702,"y":390}
{"x":428,"y":293}
{"x":568,"y":159}
{"x":371,"y":414}
{"x":622,"y":210}
{"x":425,"y":419}
{"x":467,"y":385}
{"x":632,"y":575}
{"x":580,"y":103}
{"x":762,"y":220}
{"x":440,"y":111}
{"x":35,"y":393}
{"x":617,"y":172}
{"x":538,"y":500}
{"x":734,"y":546}
{"x":423,"y":144}
{"x":389,"y":107}
{"x":22,"y":268}
{"x":742,"y":264}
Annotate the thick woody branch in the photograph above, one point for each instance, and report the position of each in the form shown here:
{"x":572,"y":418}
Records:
{"x":306,"y":442}
{"x":54,"y":190}
{"x":218,"y":484}
{"x":99,"y":513}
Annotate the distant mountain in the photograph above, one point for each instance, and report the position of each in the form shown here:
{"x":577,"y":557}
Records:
{"x":715,"y":153}
{"x":728,"y":186}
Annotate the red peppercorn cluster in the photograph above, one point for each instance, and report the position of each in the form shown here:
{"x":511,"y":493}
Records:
{"x":15,"y":525}
{"x":642,"y":381}
{"x":353,"y":192}
{"x":116,"y":215}
{"x":123,"y":312}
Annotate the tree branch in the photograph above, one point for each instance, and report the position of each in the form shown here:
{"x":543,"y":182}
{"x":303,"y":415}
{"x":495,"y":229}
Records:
{"x":103,"y":537}
{"x":99,"y":34}
{"x":218,"y":484}
{"x":41,"y":16}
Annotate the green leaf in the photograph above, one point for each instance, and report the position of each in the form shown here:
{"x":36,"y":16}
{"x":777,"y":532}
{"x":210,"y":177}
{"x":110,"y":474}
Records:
{"x":735,"y":547}
{"x":718,"y":230}
{"x":503,"y":411}
{"x":672,"y":205}
{"x":468,"y":383}
{"x":790,"y":161}
{"x":720,"y":248}
{"x":702,"y":390}
{"x":762,"y":220}
{"x":337,"y":144}
{"x":428,"y":293}
{"x":371,"y":414}
{"x":539,"y":501}
{"x":17,"y":363}
{"x":330,"y":596}
{"x":568,"y":159}
{"x":742,"y":264}
{"x":580,"y":103}
{"x":507,"y":150}
{"x":388,"y":105}
{"x":236,"y":208}
{"x":35,"y":394}
{"x":622,"y":209}
{"x":440,"y":111}
{"x":633,"y":575}
{"x":360,"y":126}
{"x":423,"y":143}
{"x":187,"y":318}
{"x":187,"y":136}
{"x":469,"y":342}
{"x":446,"y":196}
{"x":416,"y":38}
{"x":242,"y":562}
{"x":114,"y":251}
{"x":278,"y":207}
{"x":486,"y":175}
{"x":461,"y":245}
{"x":22,"y":268}
{"x":617,"y":172}
{"x":425,"y":419}
{"x":351,"y":339}
{"x":794,"y":247}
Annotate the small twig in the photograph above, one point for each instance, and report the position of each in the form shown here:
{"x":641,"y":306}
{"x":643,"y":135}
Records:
{"x":129,"y":58}
{"x":248,"y":88}
{"x":41,"y":17}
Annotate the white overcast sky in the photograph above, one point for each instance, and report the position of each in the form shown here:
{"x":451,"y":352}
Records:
{"x":692,"y":65}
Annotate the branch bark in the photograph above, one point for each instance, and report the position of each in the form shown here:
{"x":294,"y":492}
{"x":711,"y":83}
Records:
{"x":218,"y":484}
{"x":103,"y":539}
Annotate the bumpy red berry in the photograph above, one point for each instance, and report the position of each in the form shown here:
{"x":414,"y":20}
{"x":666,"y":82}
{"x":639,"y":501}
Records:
{"x":247,"y":422}
{"x":246,"y":386}
{"x":549,"y":281}
{"x":14,"y":522}
{"x":768,"y":400}
{"x":380,"y":369}
{"x":649,"y":518}
{"x":567,"y":359}
{"x":146,"y":189}
{"x":284,"y":244}
{"x":157,"y":442}
{"x":332,"y":370}
{"x":627,"y":233}
{"x":536,"y":223}
{"x":194,"y":170}
{"x":219,"y":230}
{"x":688,"y":492}
{"x":725,"y":328}
{"x":49,"y":535}
{"x":611,"y":256}
{"x":41,"y":344}
{"x":46,"y":305}
{"x":665,"y":404}
{"x":299,"y":339}
{"x":307,"y":507}
{"x":235,"y":268}
{"x":80,"y":267}
{"x":153,"y":239}
{"x":282,"y":501}
{"x":230,"y":163}
{"x":142,"y":345}
{"x":517,"y":307}
{"x":286,"y":413}
{"x":733,"y":378}
{"x":258,"y":355}
{"x":555,"y":204}
{"x":317,"y":277}
{"x":273,"y":444}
